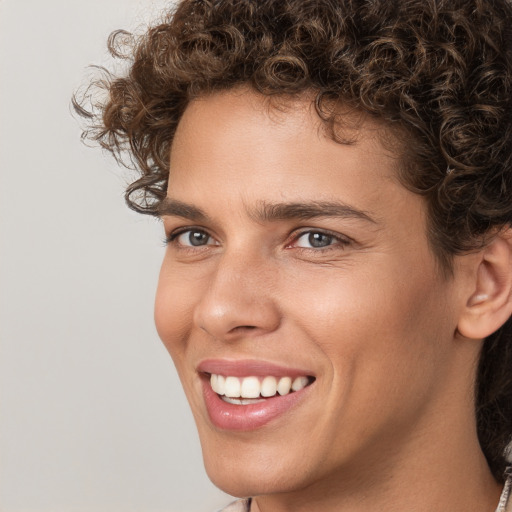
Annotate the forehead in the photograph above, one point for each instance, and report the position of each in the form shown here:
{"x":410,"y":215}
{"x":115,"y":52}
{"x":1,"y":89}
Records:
{"x":288,"y":115}
{"x":241,"y":137}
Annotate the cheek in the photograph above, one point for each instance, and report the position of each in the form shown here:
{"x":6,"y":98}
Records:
{"x":383,"y":352}
{"x":174,"y":301}
{"x":376,"y":320}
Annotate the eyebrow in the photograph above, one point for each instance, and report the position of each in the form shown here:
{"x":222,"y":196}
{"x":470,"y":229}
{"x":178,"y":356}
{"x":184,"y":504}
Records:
{"x":175,"y":208}
{"x":310,"y":210}
{"x":271,"y":212}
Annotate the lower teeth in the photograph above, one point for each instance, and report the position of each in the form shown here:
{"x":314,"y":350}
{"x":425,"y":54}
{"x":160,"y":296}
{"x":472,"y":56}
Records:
{"x":241,"y":401}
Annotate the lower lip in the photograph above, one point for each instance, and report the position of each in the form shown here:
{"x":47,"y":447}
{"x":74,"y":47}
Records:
{"x":248,"y":417}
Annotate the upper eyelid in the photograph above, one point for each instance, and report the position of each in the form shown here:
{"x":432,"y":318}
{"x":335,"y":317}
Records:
{"x":173,"y":233}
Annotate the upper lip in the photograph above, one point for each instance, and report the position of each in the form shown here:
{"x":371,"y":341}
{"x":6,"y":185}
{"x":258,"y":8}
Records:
{"x":249,"y":367}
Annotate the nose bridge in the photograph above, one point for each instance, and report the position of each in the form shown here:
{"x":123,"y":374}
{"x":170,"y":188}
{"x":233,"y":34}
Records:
{"x":238,"y":299}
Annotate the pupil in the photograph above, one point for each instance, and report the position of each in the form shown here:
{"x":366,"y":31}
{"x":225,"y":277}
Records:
{"x":197,"y":238}
{"x":319,"y":240}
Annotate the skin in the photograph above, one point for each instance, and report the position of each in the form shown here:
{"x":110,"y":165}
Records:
{"x":389,"y":422}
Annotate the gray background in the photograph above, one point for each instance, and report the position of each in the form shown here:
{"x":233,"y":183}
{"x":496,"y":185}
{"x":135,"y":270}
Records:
{"x":92,"y":417}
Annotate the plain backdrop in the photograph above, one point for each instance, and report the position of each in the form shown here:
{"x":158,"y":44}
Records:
{"x":92,"y":416}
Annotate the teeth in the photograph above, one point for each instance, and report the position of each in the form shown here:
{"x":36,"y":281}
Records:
{"x":284,"y":385}
{"x":241,"y":401}
{"x":218,"y":384}
{"x":221,"y":384}
{"x":214,"y":379}
{"x":299,"y":383}
{"x":250,"y":387}
{"x":269,"y":386}
{"x":232,"y":387}
{"x":242,"y":391}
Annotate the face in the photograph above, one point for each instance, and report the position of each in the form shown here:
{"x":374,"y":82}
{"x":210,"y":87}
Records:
{"x":293,"y":259}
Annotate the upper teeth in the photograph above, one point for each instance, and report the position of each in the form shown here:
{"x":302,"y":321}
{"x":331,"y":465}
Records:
{"x":253,"y":387}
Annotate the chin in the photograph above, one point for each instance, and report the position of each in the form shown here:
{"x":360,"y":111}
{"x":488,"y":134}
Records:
{"x":242,"y":479}
{"x":243,"y":466}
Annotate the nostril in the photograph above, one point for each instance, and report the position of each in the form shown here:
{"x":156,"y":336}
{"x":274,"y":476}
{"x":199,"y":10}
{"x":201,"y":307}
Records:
{"x":243,"y":328}
{"x":239,"y":329}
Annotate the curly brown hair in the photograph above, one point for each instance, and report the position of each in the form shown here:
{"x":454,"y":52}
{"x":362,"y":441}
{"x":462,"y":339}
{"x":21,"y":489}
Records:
{"x":439,"y":72}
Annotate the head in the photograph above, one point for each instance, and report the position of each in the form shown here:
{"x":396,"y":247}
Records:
{"x":420,"y":91}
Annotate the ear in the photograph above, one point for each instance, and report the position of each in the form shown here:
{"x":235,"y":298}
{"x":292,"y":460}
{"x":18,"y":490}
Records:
{"x":489,"y":305}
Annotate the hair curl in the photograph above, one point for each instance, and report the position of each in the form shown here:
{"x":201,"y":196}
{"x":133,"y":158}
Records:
{"x":439,"y":72}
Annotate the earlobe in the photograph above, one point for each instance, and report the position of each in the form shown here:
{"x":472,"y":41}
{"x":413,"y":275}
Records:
{"x":490,"y":304}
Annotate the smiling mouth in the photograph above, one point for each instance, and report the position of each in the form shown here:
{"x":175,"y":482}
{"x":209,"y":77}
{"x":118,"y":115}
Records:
{"x":252,"y":389}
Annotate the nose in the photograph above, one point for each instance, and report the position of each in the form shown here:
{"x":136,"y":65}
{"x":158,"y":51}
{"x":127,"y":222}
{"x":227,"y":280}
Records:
{"x":239,"y":299}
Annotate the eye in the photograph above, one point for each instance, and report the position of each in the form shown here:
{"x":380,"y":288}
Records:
{"x":318,"y":240}
{"x":314,"y":239}
{"x":191,"y":238}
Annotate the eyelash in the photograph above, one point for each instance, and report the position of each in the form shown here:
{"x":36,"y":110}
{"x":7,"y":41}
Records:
{"x":338,"y":240}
